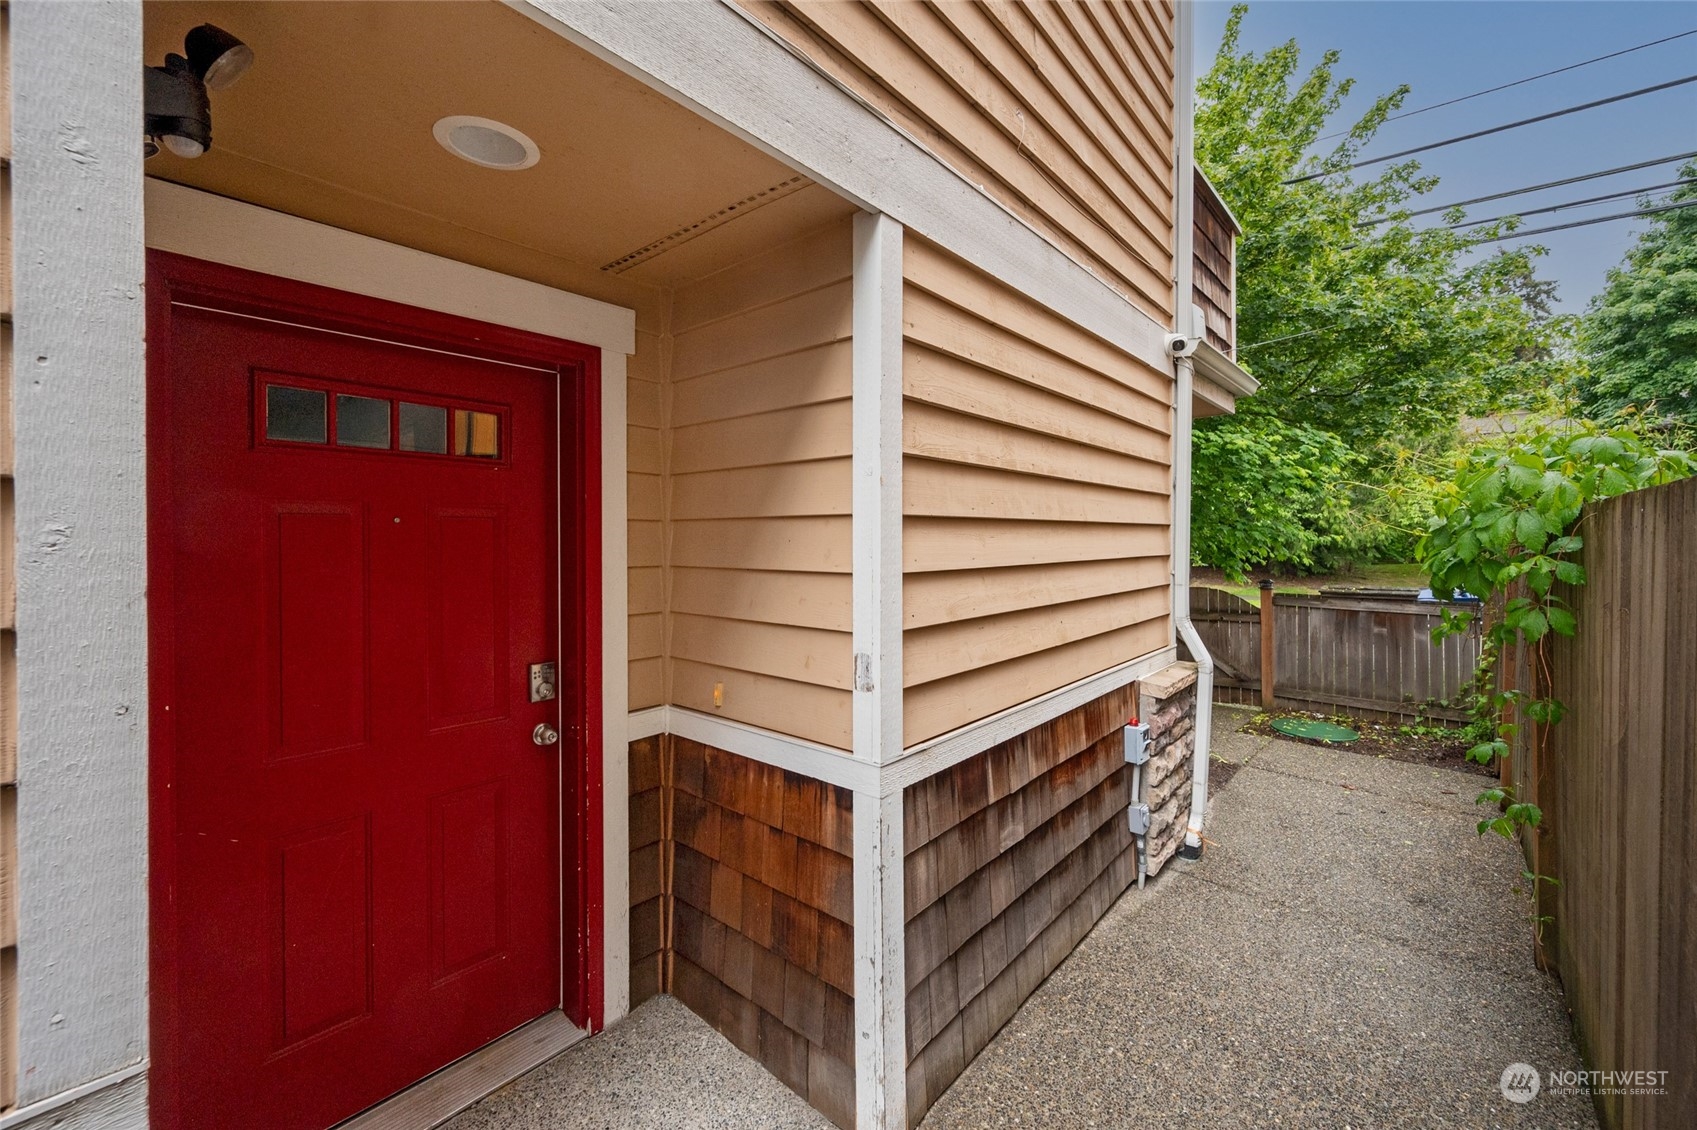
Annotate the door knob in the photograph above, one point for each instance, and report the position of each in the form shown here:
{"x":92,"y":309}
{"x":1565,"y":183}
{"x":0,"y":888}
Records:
{"x":544,"y":734}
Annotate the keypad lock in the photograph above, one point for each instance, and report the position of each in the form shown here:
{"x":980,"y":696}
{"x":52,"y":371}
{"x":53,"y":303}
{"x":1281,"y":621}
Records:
{"x":543,"y":683}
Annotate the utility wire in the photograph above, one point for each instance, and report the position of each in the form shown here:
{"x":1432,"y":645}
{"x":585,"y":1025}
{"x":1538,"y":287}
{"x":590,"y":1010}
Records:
{"x":1497,"y":129}
{"x":1569,"y":204}
{"x":1523,"y":81}
{"x":1530,"y":188}
{"x":1593,"y":220}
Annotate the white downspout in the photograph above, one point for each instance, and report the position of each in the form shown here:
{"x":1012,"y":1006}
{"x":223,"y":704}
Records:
{"x":1184,"y":133}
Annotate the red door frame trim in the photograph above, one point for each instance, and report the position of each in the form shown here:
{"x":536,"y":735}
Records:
{"x":176,"y":279}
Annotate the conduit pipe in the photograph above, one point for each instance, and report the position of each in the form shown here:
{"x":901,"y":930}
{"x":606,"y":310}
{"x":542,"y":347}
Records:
{"x":1184,"y":380}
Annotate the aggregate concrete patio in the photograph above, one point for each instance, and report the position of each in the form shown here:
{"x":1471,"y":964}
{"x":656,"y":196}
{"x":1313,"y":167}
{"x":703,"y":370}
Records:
{"x":1347,"y":953}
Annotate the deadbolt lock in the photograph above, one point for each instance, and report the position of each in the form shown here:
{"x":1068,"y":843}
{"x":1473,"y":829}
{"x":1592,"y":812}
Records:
{"x":543,"y":682}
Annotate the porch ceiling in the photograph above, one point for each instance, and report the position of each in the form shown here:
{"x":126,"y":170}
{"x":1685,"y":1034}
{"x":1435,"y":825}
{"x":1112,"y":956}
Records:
{"x":334,"y":121}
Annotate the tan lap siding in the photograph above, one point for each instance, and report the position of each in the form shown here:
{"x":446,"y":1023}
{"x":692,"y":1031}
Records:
{"x":1061,"y":111}
{"x":1036,"y":498}
{"x":758,"y":488}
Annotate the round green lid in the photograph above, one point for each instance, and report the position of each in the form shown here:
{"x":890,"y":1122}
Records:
{"x":1314,"y":728}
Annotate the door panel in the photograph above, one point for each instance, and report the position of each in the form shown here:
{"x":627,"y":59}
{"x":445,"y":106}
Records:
{"x":367,"y":842}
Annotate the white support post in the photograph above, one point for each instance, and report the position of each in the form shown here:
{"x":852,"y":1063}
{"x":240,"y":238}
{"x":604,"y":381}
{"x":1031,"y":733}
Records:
{"x":880,"y":965}
{"x":78,"y":264}
{"x":880,"y":1000}
{"x":615,"y":695}
{"x":877,"y":496}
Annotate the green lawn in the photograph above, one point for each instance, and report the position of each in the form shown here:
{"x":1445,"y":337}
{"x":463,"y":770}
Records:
{"x":1406,"y":576}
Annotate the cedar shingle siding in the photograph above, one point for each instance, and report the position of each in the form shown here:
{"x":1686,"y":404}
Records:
{"x":742,"y":896}
{"x":1012,"y":856}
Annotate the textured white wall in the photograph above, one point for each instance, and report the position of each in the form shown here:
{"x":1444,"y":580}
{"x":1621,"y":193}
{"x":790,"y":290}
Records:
{"x":81,"y":535}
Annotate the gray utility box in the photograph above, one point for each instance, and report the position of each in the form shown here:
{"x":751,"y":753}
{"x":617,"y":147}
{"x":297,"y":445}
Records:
{"x":1136,"y":743}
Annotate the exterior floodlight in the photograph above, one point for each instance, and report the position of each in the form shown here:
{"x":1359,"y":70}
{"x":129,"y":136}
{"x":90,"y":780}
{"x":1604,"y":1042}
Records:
{"x":218,"y":57}
{"x":179,"y":115}
{"x":177,"y":110}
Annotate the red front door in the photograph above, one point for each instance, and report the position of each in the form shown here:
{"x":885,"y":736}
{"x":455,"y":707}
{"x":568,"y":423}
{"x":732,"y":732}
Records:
{"x":364,"y":865}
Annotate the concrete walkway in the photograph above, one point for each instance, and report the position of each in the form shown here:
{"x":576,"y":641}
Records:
{"x":1347,"y":953}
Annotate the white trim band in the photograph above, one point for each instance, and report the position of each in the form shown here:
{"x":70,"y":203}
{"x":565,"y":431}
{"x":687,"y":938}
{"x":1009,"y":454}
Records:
{"x":26,"y":1114}
{"x":199,"y":224}
{"x":837,"y":767}
{"x":932,"y":757}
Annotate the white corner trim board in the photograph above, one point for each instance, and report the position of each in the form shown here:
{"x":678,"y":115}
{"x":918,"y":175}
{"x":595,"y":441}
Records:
{"x":782,"y":105}
{"x":880,"y":964}
{"x":615,"y":693}
{"x":204,"y":226}
{"x":877,"y":487}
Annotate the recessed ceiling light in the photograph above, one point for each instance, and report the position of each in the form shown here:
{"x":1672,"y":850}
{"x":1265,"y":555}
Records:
{"x":492,"y":144}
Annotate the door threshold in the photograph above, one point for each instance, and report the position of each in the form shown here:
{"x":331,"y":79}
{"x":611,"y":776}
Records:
{"x":438,"y":1097}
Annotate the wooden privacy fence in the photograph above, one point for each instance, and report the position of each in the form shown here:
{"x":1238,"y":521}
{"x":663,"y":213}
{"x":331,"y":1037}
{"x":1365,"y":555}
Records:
{"x":1368,"y":654}
{"x":1617,"y":781}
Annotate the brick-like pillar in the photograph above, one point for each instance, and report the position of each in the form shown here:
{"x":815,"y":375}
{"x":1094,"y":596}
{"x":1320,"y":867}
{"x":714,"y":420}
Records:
{"x":1167,"y":702}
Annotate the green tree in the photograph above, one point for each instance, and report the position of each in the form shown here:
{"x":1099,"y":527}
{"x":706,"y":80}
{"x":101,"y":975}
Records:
{"x":1641,"y":332}
{"x":1356,"y":324}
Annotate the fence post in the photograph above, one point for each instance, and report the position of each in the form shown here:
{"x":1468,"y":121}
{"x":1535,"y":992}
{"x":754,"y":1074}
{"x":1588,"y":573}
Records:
{"x":1267,"y":644}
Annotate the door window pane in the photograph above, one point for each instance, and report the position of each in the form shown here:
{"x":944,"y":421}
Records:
{"x":424,"y":427}
{"x":477,"y":434}
{"x":362,"y":421}
{"x":294,"y":414}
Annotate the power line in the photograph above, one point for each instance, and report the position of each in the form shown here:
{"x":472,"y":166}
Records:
{"x":1569,"y":204}
{"x":1593,"y":220}
{"x":1531,"y":188}
{"x":1523,"y":81}
{"x":1497,"y":129}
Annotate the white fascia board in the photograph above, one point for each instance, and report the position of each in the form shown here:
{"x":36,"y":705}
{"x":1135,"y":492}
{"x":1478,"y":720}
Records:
{"x":203,"y":226}
{"x":782,"y":104}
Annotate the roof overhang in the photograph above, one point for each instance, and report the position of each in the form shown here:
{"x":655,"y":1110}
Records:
{"x":1219,"y":382}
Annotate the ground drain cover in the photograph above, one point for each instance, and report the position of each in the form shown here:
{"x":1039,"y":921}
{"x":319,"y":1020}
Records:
{"x":1315,"y":729}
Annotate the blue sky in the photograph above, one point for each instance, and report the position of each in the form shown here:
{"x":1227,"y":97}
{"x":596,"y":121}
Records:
{"x":1447,"y":48}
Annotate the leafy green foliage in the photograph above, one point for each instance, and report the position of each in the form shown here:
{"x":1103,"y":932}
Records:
{"x":1266,"y":493}
{"x":1509,"y":512}
{"x":1641,"y":332}
{"x":1506,"y":528}
{"x":1357,"y":325}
